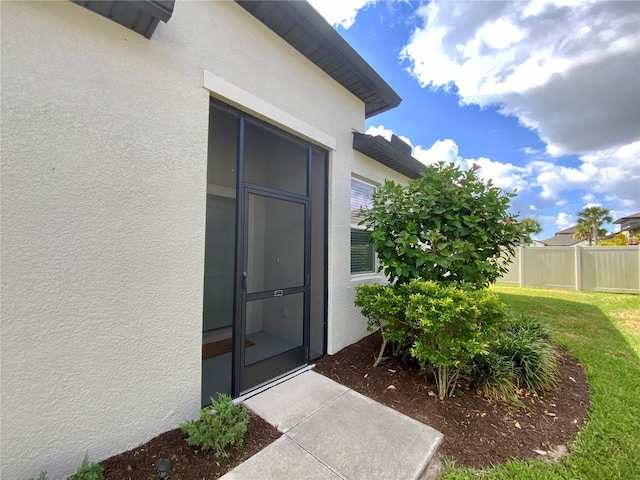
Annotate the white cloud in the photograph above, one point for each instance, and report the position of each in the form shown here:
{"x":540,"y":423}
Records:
{"x":441,"y":151}
{"x":530,"y":151}
{"x":386,"y":134}
{"x":379,"y":131}
{"x":555,"y":179}
{"x":507,"y":176}
{"x":568,"y":69}
{"x":613,"y":174}
{"x":339,"y":12}
{"x":564,"y":220}
{"x":611,"y":177}
{"x":597,"y":175}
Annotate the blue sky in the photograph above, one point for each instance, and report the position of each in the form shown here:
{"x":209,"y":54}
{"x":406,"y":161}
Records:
{"x":543,"y":94}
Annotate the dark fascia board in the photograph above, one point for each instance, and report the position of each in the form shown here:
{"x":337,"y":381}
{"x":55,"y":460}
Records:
{"x":141,"y":16}
{"x":385,"y":152}
{"x":160,"y":9}
{"x":377,"y":95}
{"x":635,"y":216}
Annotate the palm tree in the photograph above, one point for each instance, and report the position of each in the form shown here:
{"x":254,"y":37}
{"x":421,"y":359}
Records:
{"x":529,"y":226}
{"x":584,"y":232}
{"x":594,"y":216}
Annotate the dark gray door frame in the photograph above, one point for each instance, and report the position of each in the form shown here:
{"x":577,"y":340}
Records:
{"x":243,"y":190}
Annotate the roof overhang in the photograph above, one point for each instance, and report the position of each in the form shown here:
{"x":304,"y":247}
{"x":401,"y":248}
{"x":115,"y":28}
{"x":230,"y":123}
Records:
{"x":392,"y":154}
{"x":635,"y":216}
{"x":141,"y":16}
{"x":307,"y":31}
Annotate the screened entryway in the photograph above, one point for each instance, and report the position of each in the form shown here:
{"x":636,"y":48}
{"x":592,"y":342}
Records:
{"x":265,"y":254}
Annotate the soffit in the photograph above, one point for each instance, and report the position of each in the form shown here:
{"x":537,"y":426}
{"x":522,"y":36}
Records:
{"x":141,"y":16}
{"x":385,"y":152}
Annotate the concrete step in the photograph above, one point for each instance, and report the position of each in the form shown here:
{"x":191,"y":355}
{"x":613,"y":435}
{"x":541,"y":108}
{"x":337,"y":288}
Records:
{"x":332,"y":432}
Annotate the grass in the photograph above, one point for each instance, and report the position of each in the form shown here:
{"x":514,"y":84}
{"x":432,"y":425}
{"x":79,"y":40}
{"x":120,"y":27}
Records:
{"x":602,"y":330}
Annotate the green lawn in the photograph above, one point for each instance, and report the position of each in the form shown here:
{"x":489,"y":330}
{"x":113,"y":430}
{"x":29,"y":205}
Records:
{"x":602,"y":330}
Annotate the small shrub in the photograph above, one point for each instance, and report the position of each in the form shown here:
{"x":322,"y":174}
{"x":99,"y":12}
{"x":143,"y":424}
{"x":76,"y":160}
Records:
{"x":451,"y":324}
{"x":222,"y":425}
{"x":534,"y":358}
{"x":521,"y":357}
{"x":620,"y":240}
{"x":384,"y":307}
{"x":532,"y":323}
{"x":88,"y":471}
{"x":494,"y":374}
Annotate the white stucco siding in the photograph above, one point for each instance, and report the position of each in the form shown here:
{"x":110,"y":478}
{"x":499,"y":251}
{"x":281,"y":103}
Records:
{"x":244,"y":52}
{"x":104,"y":153}
{"x":103,"y":166}
{"x":346,"y":324}
{"x":303,"y":91}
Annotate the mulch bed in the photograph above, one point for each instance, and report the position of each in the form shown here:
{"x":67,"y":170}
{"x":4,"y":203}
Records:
{"x":477,"y":432}
{"x":188,"y":462}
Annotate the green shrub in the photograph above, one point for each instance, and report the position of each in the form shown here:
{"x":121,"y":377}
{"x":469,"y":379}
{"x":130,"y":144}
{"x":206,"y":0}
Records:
{"x":450,"y":325}
{"x":620,"y":240}
{"x":442,"y":326}
{"x":494,"y":374}
{"x":448,"y":226}
{"x":534,"y":358}
{"x":531,"y":323}
{"x":88,"y":471}
{"x":455,"y":329}
{"x":384,"y":307}
{"x":521,"y":357}
{"x":222,"y":425}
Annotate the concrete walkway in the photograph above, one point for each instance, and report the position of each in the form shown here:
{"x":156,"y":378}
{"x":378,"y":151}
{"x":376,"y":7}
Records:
{"x":333,"y":432}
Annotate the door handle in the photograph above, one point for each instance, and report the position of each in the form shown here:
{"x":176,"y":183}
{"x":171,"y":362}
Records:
{"x":244,"y":280}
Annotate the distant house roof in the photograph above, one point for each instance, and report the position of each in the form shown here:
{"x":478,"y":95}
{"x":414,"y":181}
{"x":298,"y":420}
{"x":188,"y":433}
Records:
{"x":395,"y":154}
{"x":628,"y":217}
{"x":630,"y":222}
{"x":308,"y":32}
{"x":566,"y":231}
{"x":141,"y":16}
{"x":563,"y":238}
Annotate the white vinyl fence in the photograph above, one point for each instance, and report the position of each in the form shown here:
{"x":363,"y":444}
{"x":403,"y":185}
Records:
{"x":600,"y":269}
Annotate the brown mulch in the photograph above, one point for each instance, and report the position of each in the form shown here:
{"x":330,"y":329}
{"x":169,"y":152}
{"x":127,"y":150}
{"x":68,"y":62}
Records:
{"x":188,"y":462}
{"x":477,"y":432}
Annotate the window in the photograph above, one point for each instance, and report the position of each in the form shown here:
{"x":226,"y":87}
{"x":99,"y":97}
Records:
{"x":362,"y":256}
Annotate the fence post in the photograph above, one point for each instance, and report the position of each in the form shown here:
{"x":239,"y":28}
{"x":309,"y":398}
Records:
{"x":521,"y":266}
{"x":578,"y":255}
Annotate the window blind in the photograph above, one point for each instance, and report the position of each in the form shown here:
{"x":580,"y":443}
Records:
{"x":361,"y":194}
{"x":361,"y":252}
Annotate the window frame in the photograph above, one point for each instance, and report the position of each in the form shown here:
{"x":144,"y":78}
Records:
{"x":355,"y":228}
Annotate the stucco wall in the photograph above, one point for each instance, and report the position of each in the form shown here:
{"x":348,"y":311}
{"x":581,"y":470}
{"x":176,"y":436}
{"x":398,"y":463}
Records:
{"x":346,"y":324}
{"x":104,"y":153}
{"x":103,"y":161}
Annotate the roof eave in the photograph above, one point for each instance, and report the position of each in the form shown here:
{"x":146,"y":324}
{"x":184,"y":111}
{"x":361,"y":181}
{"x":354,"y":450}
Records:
{"x":378,"y":97}
{"x":140,"y":16}
{"x":383,"y":151}
{"x":635,"y":216}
